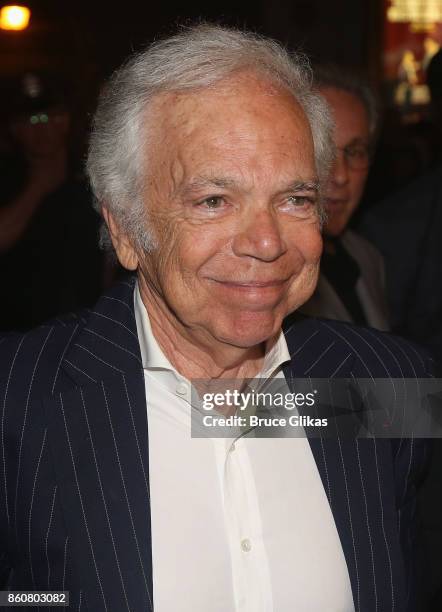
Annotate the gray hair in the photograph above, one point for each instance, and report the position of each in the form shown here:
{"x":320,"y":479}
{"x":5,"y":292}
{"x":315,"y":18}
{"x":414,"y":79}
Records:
{"x":197,"y":57}
{"x":339,"y":77}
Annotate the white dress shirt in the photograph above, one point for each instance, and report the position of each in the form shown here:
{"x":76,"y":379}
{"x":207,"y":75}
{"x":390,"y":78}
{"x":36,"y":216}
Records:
{"x":237,"y":526}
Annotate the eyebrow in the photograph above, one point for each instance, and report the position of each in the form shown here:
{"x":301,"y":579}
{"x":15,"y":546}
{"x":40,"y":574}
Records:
{"x":303,"y":186}
{"x":201,"y":182}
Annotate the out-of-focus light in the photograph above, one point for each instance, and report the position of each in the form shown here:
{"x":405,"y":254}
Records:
{"x":420,"y":14}
{"x":41,"y":118}
{"x":14,"y":17}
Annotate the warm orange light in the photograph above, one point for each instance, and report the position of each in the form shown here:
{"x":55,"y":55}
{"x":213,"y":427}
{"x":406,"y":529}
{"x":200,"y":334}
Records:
{"x":14,"y":17}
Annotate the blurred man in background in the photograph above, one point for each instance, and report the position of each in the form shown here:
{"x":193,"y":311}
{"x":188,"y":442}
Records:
{"x":351,"y":283}
{"x":406,"y":228}
{"x":49,"y":258}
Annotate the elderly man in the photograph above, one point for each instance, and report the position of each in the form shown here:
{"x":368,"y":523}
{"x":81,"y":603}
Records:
{"x":206,"y":158}
{"x":351,"y":285}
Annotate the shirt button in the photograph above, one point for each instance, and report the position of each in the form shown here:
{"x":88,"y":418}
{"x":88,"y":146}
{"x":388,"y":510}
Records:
{"x":181,"y":389}
{"x":232,"y":448}
{"x":246,"y":545}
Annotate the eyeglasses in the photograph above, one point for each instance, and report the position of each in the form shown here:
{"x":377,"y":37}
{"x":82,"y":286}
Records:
{"x":357,"y":156}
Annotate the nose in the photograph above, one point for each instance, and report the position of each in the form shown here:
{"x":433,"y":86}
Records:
{"x":339,"y":171}
{"x":259,"y":236}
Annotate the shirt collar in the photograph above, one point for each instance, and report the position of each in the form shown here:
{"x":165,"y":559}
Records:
{"x":153,"y":357}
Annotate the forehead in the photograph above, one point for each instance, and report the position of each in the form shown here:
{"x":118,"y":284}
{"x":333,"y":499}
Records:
{"x":242,"y":122}
{"x":349,"y":113}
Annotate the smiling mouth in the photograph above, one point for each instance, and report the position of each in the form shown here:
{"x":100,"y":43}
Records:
{"x":253,"y":295}
{"x":251,"y":284}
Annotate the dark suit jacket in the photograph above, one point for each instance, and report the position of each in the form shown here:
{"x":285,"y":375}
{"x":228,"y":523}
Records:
{"x":406,"y":228}
{"x":370,"y":287}
{"x":74,"y":461}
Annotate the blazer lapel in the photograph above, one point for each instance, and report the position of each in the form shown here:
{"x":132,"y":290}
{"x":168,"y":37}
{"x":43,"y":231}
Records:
{"x":360,"y":486}
{"x":325,"y":294}
{"x":98,"y":435}
{"x":358,"y":479}
{"x":375,"y":313}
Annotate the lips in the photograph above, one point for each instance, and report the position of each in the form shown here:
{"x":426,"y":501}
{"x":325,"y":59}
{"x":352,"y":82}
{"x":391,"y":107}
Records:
{"x":257,"y":295}
{"x":251,"y":284}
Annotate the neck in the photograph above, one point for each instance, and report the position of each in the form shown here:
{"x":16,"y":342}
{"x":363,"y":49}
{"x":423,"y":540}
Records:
{"x":193,"y":352}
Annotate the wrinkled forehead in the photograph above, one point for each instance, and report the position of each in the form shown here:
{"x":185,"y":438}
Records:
{"x":244,"y":97}
{"x":245,"y":131}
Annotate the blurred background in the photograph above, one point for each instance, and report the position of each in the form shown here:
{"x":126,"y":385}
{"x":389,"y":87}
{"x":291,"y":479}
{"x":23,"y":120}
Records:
{"x":55,"y":56}
{"x":390,"y":41}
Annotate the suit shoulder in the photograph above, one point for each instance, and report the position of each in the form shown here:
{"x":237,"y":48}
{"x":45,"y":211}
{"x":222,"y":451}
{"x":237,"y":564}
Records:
{"x":381,"y":354}
{"x":35,"y":355}
{"x":366,"y":352}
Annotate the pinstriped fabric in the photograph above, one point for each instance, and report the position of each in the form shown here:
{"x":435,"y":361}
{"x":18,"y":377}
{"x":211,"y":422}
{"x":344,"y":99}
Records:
{"x":6,"y":502}
{"x":62,"y":357}
{"x":373,"y":540}
{"x":74,"y":480}
{"x":28,"y":396}
{"x":30,"y":510}
{"x":134,"y":532}
{"x":47,"y":537}
{"x":409,"y":454}
{"x":63,"y":584}
{"x":80,"y":497}
{"x":35,"y":531}
{"x":367,"y":523}
{"x":384,"y":534}
{"x":100,"y":476}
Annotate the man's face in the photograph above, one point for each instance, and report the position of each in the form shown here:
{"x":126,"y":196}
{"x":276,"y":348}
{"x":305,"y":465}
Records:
{"x":349,"y":173}
{"x":232,"y":204}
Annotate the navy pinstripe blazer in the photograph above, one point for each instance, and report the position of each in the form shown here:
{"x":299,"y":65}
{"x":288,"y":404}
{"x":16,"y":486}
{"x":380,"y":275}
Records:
{"x":74,"y":472}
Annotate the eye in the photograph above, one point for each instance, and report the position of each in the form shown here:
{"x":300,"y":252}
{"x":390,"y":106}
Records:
{"x":212,"y":203}
{"x":300,"y":205}
{"x":215,"y":206}
{"x":300,"y":201}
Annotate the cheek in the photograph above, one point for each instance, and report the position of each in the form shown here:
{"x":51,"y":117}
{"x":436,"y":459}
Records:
{"x":162,"y":261}
{"x":188,"y":255}
{"x":316,"y":248}
{"x":357,"y":189}
{"x":307,"y":247}
{"x":305,"y":254}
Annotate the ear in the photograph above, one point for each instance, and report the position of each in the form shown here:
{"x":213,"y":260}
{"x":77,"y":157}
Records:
{"x":126,"y":253}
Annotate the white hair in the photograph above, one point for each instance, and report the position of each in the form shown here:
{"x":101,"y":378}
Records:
{"x":197,"y":57}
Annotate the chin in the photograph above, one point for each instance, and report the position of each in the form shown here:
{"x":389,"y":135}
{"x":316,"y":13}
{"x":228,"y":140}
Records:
{"x":333,"y":230}
{"x":250,"y":329}
{"x":335,"y":227}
